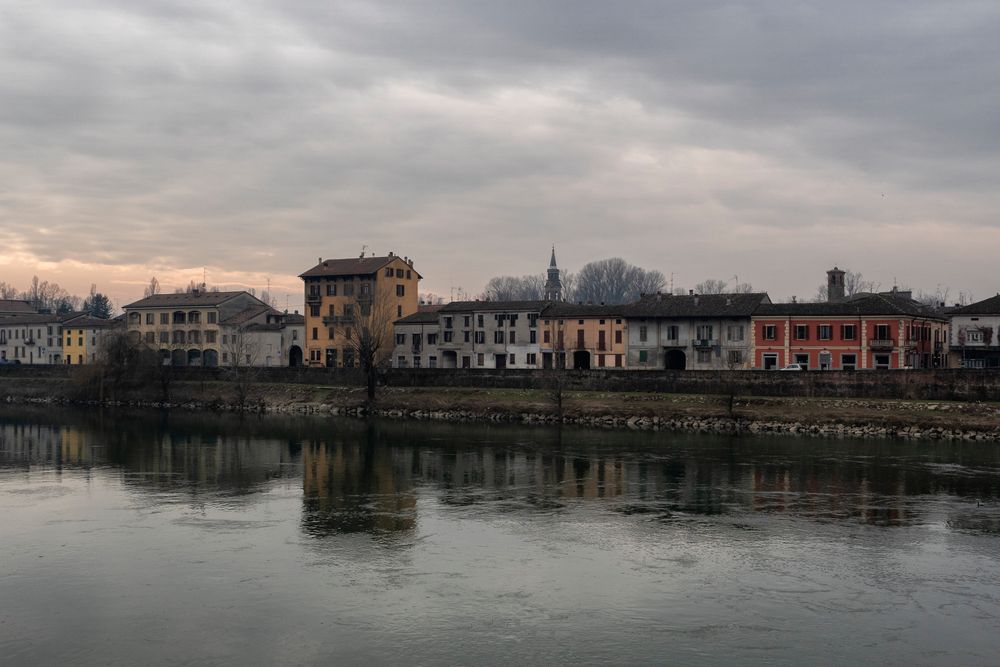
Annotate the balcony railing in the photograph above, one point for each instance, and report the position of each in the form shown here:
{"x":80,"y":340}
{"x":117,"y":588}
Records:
{"x":29,"y":341}
{"x":338,"y":319}
{"x":703,"y":342}
{"x":314,"y":297}
{"x":880,"y":343}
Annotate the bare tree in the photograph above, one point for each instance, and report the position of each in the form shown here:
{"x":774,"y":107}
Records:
{"x":513,"y":288}
{"x":7,"y":291}
{"x":242,"y":351}
{"x":152,"y":289}
{"x":711,"y":286}
{"x":366,"y":328}
{"x":614,"y":281}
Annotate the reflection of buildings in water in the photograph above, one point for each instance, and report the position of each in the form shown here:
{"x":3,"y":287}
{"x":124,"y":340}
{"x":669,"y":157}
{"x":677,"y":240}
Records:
{"x":23,"y":445}
{"x":352,"y":487}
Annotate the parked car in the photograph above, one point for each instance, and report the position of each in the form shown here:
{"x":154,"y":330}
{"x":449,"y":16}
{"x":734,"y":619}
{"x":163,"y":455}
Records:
{"x":12,"y":362}
{"x":794,"y":367}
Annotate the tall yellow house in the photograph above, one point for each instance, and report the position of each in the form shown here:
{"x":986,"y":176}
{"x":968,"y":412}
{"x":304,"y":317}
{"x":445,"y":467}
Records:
{"x":344,"y":294}
{"x":82,"y":339}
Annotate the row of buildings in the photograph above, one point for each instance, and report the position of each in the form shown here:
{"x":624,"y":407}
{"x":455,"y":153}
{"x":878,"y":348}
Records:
{"x":368,"y":307}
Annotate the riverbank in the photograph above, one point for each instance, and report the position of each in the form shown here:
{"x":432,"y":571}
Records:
{"x":953,"y":420}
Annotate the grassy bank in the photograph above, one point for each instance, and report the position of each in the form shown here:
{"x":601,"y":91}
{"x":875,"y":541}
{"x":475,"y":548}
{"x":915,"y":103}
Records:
{"x":703,"y":412}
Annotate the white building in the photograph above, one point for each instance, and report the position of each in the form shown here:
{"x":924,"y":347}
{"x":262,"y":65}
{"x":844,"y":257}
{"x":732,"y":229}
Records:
{"x":974,"y":333}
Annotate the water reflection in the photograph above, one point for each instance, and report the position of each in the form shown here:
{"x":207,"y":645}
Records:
{"x":362,"y":477}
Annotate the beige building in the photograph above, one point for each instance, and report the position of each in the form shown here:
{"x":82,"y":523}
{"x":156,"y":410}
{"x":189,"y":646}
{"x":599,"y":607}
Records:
{"x":187,"y":329}
{"x":82,"y":337}
{"x":345,"y":297}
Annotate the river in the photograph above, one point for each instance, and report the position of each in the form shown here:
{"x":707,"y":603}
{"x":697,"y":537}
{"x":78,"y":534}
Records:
{"x":191,"y":538}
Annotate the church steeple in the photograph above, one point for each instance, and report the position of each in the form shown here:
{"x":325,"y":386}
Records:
{"x":553,"y":286}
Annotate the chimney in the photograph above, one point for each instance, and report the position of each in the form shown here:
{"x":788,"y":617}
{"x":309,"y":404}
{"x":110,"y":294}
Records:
{"x":795,"y":299}
{"x":729,"y":301}
{"x":834,"y":285}
{"x":390,"y":254}
{"x":319,"y":261}
{"x":690,"y":292}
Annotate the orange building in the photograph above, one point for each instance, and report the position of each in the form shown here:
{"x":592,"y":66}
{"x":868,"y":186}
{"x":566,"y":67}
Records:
{"x":583,"y":336}
{"x":346,"y":296}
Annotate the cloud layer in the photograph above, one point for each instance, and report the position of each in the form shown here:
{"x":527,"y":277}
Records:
{"x":701,"y":139}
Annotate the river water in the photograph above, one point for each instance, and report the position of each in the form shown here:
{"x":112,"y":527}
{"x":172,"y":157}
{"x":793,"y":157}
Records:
{"x":143,"y":538}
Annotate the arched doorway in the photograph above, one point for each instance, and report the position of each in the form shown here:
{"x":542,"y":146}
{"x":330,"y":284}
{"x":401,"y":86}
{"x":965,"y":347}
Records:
{"x":210,"y":359}
{"x":676,"y":360}
{"x":295,"y":356}
{"x":178,"y":358}
{"x":581,"y":360}
{"x":164,"y":357}
{"x":194,"y":358}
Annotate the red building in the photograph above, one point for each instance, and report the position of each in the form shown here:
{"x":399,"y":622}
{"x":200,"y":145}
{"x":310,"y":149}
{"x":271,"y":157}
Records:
{"x":870,"y":331}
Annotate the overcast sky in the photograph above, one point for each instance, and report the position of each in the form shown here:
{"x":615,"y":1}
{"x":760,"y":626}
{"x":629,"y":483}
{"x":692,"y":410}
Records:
{"x":768,"y":141}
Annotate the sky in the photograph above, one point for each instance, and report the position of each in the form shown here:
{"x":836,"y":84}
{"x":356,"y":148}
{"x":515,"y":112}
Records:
{"x":243,"y":140}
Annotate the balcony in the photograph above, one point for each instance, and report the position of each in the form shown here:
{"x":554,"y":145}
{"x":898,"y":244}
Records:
{"x":703,"y":342}
{"x":881,"y":344}
{"x":29,"y":341}
{"x":334,"y":320}
{"x":314,"y":297}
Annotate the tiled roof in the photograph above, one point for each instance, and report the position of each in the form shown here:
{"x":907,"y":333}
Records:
{"x":570,"y":310}
{"x":29,"y":318}
{"x":351,"y":266}
{"x":294,"y":319}
{"x":870,"y":305}
{"x":249,"y":314}
{"x":186,"y":299}
{"x":88,"y":322}
{"x":493,"y":306}
{"x":696,"y":305}
{"x":16,"y":306}
{"x":990,"y":306}
{"x":419,"y":317}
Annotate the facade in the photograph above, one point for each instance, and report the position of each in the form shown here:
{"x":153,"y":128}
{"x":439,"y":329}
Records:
{"x":186,"y":329}
{"x":974,"y":335}
{"x":416,"y":340}
{"x":870,"y":331}
{"x":31,"y":338}
{"x":489,"y":334}
{"x":82,"y":337}
{"x":583,"y":336}
{"x":691,"y":332}
{"x":261,"y":336}
{"x":344,"y":297}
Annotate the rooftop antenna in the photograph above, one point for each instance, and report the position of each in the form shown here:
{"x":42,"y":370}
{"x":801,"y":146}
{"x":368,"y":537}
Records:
{"x":204,"y":277}
{"x":672,"y":274}
{"x":364,"y":249}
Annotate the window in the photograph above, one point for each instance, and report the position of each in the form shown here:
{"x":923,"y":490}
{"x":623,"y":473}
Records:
{"x":882,"y":361}
{"x":532,"y":319}
{"x":479,"y":321}
{"x":150,"y":337}
{"x":164,"y":336}
{"x":330,"y":333}
{"x":642,"y":333}
{"x":546,"y":336}
{"x":348,"y":291}
{"x":704,"y":356}
{"x":432,"y":362}
{"x":704,"y":332}
{"x":388,"y":272}
{"x":314,"y":310}
{"x":315,"y":333}
{"x":480,"y":359}
{"x":824,"y":332}
{"x":447,"y":323}
{"x":415,"y":340}
{"x":532,"y":337}
{"x":164,"y":318}
{"x":399,"y":311}
{"x":802,"y":360}
{"x":449,"y":336}
{"x":882,"y":332}
{"x":735,"y":357}
{"x":366,"y":289}
{"x":212,"y":315}
{"x":331,"y":289}
{"x":400,"y":290}
{"x":480,"y":339}
{"x":465,"y":336}
{"x":466,"y":362}
{"x":416,"y":361}
{"x":801,"y":332}
{"x":848,"y":331}
{"x":973,"y":336}
{"x":399,"y":273}
{"x":510,"y":360}
{"x":409,"y":274}
{"x":348,"y":311}
{"x":400,"y":361}
{"x":770,"y":332}
{"x":770,"y":361}
{"x":848,"y":362}
{"x":734,"y":332}
{"x":618,"y":337}
{"x":673,"y":332}
{"x":400,"y":339}
{"x":600,"y":361}
{"x":432,"y":339}
{"x":467,"y":320}
{"x":149,"y":318}
{"x":498,"y":337}
{"x":210,"y":337}
{"x":532,"y":359}
{"x":513,"y":337}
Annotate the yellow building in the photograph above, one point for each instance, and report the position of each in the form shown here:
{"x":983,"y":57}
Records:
{"x":346,"y":296}
{"x":82,"y":339}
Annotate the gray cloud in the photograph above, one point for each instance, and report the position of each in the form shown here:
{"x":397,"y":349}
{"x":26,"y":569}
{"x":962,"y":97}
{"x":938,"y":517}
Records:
{"x":706,"y":139}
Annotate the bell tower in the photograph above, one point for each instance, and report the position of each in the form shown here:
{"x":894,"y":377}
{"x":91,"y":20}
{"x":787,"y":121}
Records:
{"x":553,"y":286}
